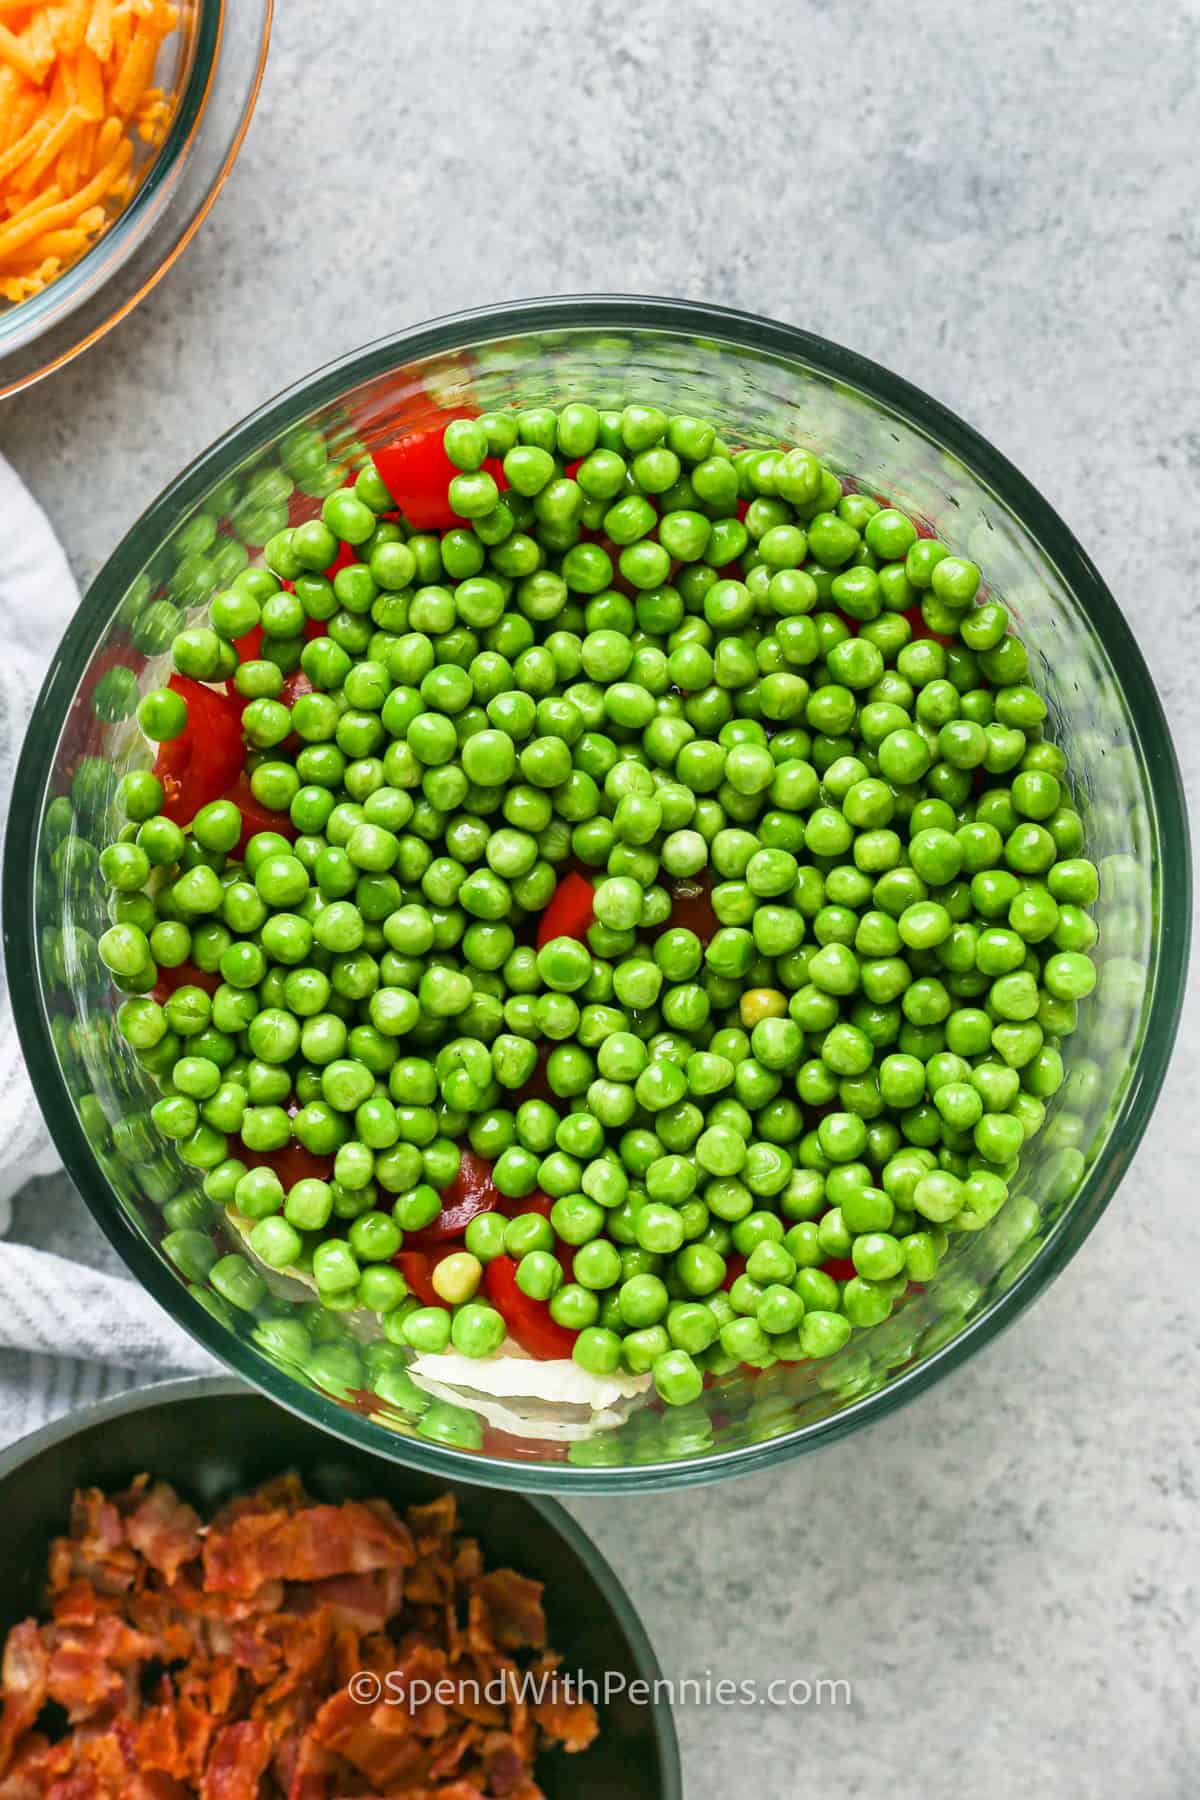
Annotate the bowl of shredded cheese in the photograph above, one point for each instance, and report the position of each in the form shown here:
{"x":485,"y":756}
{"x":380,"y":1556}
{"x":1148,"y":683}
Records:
{"x":119,"y":121}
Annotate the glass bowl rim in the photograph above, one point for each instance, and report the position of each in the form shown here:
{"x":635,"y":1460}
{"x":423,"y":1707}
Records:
{"x":127,"y":234}
{"x":460,"y":331}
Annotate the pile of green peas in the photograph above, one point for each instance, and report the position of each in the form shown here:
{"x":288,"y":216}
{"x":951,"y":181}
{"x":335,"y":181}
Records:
{"x":677,"y":667}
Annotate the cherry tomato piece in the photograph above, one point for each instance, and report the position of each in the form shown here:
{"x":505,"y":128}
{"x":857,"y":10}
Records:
{"x":921,"y":630}
{"x":528,"y":1321}
{"x":292,"y":1164}
{"x":417,"y":1268}
{"x":417,"y":473}
{"x":840,"y":1267}
{"x":471,"y":1193}
{"x":255,"y":816}
{"x":735,"y":1265}
{"x":570,"y":911}
{"x":691,"y":907}
{"x":207,"y":757}
{"x":536,"y":1202}
{"x":186,"y":975}
{"x":518,"y":1449}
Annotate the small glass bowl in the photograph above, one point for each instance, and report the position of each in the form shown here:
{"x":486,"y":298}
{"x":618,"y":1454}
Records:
{"x":764,"y":384}
{"x":211,"y":67}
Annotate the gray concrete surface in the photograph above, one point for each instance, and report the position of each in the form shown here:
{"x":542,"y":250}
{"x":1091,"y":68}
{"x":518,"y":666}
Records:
{"x":1000,"y":203}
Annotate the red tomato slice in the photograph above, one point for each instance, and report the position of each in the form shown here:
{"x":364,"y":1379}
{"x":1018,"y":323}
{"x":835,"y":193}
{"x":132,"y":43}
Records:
{"x":536,"y":1202}
{"x":471,"y":1193}
{"x":346,"y":554}
{"x":691,"y":907}
{"x":83,"y":731}
{"x":840,"y":1267}
{"x":207,"y":757}
{"x":255,"y":816}
{"x":528,"y":1321}
{"x":570,"y":911}
{"x":921,"y":630}
{"x":186,"y":975}
{"x":417,"y":474}
{"x":295,"y":687}
{"x":292,"y":1164}
{"x":503,"y":1443}
{"x":301,"y":508}
{"x":538,"y":1086}
{"x":248,"y":648}
{"x":735,"y":1265}
{"x":417,"y":1268}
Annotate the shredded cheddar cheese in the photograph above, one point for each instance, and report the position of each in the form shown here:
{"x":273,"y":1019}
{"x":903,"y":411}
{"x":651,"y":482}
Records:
{"x":76,"y":86}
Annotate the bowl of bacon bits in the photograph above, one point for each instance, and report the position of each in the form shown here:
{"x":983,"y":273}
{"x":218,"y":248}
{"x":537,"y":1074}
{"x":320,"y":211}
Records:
{"x":202,"y":1595}
{"x":119,"y":120}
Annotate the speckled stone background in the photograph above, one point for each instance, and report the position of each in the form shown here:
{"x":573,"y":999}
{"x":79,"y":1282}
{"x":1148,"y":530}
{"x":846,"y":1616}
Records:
{"x":1001,"y":204}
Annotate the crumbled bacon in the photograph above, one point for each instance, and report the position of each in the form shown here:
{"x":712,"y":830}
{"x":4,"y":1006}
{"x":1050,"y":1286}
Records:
{"x":96,"y":1547}
{"x":375,"y":1740}
{"x":363,"y":1602}
{"x":568,"y":1721}
{"x":164,"y":1530}
{"x":468,"y":1560}
{"x":236,"y":1763}
{"x":33,"y":1768}
{"x":87,"y":1665}
{"x":306,"y":1546}
{"x":508,"y":1608}
{"x":504,"y":1764}
{"x":213,"y":1662}
{"x":83,"y":1786}
{"x":25,"y":1675}
{"x":310,"y":1767}
{"x":434,"y":1524}
{"x":284,"y":1494}
{"x":80,"y":1682}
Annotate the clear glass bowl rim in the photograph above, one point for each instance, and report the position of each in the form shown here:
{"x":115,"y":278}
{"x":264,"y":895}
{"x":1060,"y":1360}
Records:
{"x":129,"y":234}
{"x":460,"y":331}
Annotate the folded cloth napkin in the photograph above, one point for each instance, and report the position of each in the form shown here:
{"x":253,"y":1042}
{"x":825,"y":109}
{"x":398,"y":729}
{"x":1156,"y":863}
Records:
{"x":37,"y":597}
{"x":72,"y":1326}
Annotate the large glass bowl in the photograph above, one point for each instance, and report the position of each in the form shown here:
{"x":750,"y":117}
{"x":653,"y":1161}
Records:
{"x":765,"y":383}
{"x":210,"y":69}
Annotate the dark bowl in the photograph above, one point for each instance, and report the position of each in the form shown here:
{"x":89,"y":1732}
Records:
{"x":211,"y":1438}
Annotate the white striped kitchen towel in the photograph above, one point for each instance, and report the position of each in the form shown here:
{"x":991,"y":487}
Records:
{"x":73,"y":1327}
{"x":37,"y":597}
